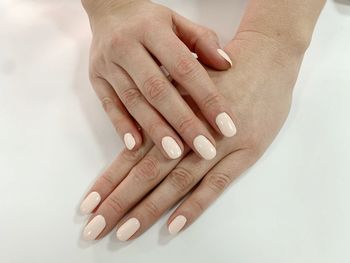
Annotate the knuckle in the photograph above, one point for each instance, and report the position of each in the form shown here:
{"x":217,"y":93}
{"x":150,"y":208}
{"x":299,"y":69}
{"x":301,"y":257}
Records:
{"x":186,"y":67}
{"x":154,"y":127}
{"x":185,"y":123}
{"x":253,"y":141}
{"x":197,"y":205}
{"x":130,"y":97}
{"x":107,"y":178}
{"x":115,"y":205}
{"x":151,"y":209}
{"x":156,"y":89}
{"x":181,"y":179}
{"x":212,"y":100}
{"x":218,"y":181}
{"x":147,"y":170}
{"x":208,"y":33}
{"x":132,"y":156}
{"x":96,"y":64}
{"x":108,"y":104}
{"x":116,"y":40}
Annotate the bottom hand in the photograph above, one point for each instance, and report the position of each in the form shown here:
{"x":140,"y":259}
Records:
{"x":140,"y":186}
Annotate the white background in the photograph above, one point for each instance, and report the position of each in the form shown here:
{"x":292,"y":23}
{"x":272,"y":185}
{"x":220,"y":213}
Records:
{"x":292,"y":206}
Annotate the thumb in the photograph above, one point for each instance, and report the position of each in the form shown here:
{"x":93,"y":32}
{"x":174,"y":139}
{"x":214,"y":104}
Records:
{"x":202,"y":41}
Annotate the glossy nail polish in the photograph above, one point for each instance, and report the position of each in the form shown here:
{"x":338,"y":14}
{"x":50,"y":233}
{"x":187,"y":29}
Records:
{"x":204,"y":147}
{"x":171,"y":147}
{"x":225,"y":56}
{"x":94,"y":228}
{"x":128,"y":229}
{"x":177,"y":224}
{"x":129,"y":141}
{"x":226,"y":125}
{"x":90,"y":203}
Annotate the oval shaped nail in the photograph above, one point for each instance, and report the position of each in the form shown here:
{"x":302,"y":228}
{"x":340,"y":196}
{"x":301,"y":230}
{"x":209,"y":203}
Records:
{"x":177,"y":224}
{"x":226,"y":125}
{"x":94,"y":228}
{"x":129,"y":141}
{"x":204,"y":147}
{"x":90,"y":203}
{"x":171,"y":147}
{"x":128,"y":229}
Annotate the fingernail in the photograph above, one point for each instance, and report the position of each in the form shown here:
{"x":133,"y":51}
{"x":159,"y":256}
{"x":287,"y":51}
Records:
{"x":226,"y":125}
{"x":177,"y":224}
{"x":94,"y":228}
{"x":90,"y":203}
{"x":225,"y":56}
{"x":171,"y":147}
{"x":128,"y":229}
{"x":204,"y":147}
{"x":195,"y":55}
{"x":129,"y":141}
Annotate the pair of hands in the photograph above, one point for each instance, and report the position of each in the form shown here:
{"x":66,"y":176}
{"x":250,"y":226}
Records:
{"x":141,"y":185}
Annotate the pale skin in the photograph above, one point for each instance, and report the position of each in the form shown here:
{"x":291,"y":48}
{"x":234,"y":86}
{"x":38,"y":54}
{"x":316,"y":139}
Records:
{"x":131,"y":39}
{"x":141,"y":185}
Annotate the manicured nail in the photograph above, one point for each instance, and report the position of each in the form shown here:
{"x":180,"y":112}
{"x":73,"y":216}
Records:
{"x":226,"y":125}
{"x":129,"y":141}
{"x":177,"y":224}
{"x":225,"y":56}
{"x":204,"y":147}
{"x":94,"y":228}
{"x":128,"y":229}
{"x":171,"y":147}
{"x":90,"y":203}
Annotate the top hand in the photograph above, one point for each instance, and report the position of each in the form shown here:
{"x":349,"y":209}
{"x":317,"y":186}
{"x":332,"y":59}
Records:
{"x":131,"y":40}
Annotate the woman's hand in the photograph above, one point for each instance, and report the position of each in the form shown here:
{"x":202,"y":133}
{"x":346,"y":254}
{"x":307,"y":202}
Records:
{"x":140,"y":186}
{"x":132,"y":40}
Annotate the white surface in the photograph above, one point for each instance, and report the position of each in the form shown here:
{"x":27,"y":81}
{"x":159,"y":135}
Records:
{"x":292,"y":206}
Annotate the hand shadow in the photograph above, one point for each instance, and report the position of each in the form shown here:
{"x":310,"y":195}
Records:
{"x":342,"y":6}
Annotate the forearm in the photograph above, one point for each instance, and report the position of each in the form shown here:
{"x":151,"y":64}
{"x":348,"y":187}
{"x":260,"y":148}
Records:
{"x":290,"y":21}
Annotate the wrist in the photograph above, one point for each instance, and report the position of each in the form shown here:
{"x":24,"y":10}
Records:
{"x":287,"y":24}
{"x":254,"y":51}
{"x":100,"y":8}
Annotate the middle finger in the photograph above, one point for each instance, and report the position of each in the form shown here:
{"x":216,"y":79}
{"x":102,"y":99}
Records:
{"x":164,"y":97}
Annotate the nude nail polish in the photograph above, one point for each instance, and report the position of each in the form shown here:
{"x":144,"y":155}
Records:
{"x":177,"y":224}
{"x":204,"y":147}
{"x":129,"y":141}
{"x":171,"y":147}
{"x":226,"y":125}
{"x":225,"y":56}
{"x":128,"y":229}
{"x":94,"y":228}
{"x":90,"y":203}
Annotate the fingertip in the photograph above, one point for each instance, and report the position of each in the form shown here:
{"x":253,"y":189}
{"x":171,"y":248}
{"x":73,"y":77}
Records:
{"x":225,"y":56}
{"x":129,"y":141}
{"x":212,"y":58}
{"x":132,"y":140}
{"x":177,"y":224}
{"x":210,"y":54}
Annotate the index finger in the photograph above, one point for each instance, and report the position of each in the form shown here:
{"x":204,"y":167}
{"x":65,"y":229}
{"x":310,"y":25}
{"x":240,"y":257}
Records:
{"x":190,"y":74}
